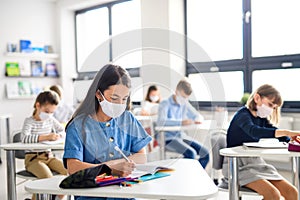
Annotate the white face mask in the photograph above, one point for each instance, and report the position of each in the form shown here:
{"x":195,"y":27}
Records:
{"x":181,"y":100}
{"x":263,"y":111}
{"x":112,"y":109}
{"x":154,"y":98}
{"x":44,"y":116}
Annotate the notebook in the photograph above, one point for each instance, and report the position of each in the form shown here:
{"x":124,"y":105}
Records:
{"x":266,"y":143}
{"x":148,"y":169}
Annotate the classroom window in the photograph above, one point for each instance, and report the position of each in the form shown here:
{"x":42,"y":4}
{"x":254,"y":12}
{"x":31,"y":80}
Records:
{"x":217,"y":86}
{"x":216,"y":26}
{"x":285,"y":81}
{"x":257,"y":38}
{"x":92,"y":32}
{"x":100,"y":30}
{"x":274,"y":27}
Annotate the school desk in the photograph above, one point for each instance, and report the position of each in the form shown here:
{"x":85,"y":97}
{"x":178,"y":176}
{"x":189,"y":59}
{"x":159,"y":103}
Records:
{"x":189,"y":181}
{"x":205,"y":125}
{"x":10,"y":149}
{"x":242,"y":151}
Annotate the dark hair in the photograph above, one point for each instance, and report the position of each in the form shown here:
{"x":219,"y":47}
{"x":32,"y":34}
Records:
{"x":57,"y":89}
{"x":150,"y":89}
{"x":46,"y":97}
{"x":107,"y":76}
{"x":185,"y":86}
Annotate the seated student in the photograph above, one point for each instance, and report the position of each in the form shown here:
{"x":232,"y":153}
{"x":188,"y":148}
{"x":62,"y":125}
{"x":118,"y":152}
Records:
{"x":250,"y":123}
{"x":152,"y":100}
{"x":39,"y":127}
{"x":64,"y":112}
{"x":177,"y":111}
{"x":101,"y":124}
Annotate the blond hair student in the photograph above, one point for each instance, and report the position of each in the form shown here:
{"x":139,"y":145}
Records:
{"x":258,"y":119}
{"x":41,"y":126}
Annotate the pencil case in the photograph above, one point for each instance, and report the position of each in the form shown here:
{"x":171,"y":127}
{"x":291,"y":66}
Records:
{"x":294,"y":146}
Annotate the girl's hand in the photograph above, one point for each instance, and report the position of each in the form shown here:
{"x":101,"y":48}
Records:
{"x":187,"y":122}
{"x":53,"y":136}
{"x":122,"y":169}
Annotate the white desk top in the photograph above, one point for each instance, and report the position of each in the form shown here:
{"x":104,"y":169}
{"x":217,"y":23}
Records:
{"x":188,"y":181}
{"x":242,"y":151}
{"x":205,"y":125}
{"x":31,"y":146}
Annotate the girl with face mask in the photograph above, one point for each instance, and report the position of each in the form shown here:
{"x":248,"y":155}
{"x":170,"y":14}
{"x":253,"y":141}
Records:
{"x":102,"y":123}
{"x":152,"y":100}
{"x":41,"y":126}
{"x":250,"y":123}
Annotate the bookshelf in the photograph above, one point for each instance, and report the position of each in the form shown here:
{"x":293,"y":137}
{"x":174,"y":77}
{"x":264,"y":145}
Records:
{"x":28,"y":83}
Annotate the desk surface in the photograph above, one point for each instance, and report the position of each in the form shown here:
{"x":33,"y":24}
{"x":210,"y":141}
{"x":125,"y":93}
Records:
{"x":242,"y":151}
{"x":188,"y":181}
{"x":205,"y":125}
{"x":31,"y":146}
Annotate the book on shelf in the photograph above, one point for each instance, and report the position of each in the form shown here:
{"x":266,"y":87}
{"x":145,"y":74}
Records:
{"x":51,"y":70}
{"x":37,"y":68}
{"x":25,"y":46}
{"x":12,"y":69}
{"x":24,"y":88}
{"x":25,"y":69}
{"x":12,"y":90}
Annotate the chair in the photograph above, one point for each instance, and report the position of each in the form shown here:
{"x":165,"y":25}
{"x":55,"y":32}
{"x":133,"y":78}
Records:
{"x":218,"y":141}
{"x":20,"y":154}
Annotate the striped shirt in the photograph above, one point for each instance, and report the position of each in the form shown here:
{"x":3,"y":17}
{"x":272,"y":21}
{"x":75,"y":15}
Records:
{"x":32,"y":129}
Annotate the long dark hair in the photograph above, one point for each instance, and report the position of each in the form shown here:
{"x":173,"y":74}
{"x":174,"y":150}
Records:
{"x":107,"y":76}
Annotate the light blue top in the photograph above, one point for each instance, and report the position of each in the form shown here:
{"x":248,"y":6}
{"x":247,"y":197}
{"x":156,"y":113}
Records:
{"x":91,"y":141}
{"x":171,"y":113}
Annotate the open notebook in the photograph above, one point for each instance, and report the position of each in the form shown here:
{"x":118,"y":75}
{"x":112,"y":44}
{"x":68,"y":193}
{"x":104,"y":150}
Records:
{"x":266,"y":143}
{"x":148,"y":169}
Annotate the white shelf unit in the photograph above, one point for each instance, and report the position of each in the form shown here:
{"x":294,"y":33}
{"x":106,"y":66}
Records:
{"x":35,"y":81}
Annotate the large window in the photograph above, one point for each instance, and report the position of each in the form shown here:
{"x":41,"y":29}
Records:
{"x":259,"y":39}
{"x":99,"y":31}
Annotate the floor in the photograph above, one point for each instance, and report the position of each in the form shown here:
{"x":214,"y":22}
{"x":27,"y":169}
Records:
{"x":22,"y":194}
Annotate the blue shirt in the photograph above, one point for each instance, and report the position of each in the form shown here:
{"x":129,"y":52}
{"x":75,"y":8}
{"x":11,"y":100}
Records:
{"x":171,"y":113}
{"x":91,"y":141}
{"x":244,"y":127}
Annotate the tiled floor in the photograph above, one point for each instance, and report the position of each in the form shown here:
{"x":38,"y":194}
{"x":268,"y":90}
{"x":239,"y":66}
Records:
{"x":22,"y":194}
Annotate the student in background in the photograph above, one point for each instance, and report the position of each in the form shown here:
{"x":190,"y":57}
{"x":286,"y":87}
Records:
{"x":152,"y":100}
{"x":101,"y":123}
{"x":39,"y":127}
{"x":177,"y":111}
{"x":64,"y":112}
{"x":250,"y":123}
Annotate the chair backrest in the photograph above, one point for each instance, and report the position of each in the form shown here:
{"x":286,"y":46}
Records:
{"x":218,"y":141}
{"x":18,"y":138}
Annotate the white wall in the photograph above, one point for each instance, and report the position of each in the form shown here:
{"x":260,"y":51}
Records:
{"x":34,"y":20}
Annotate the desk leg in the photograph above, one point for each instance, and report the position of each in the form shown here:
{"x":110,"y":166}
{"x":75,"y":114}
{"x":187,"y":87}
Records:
{"x":233,"y":178}
{"x":162,"y":145}
{"x":7,"y":130}
{"x":295,"y":172}
{"x":11,"y":175}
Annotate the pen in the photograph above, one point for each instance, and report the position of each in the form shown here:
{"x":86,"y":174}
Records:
{"x":121,"y":152}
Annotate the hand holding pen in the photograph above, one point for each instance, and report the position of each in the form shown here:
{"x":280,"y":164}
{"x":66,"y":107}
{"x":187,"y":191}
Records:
{"x":123,"y":168}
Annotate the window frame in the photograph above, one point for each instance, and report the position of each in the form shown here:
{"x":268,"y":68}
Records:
{"x":133,"y":72}
{"x":247,"y":64}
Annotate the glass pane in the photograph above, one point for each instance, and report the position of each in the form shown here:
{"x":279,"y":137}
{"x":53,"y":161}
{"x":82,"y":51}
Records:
{"x":215,"y":26}
{"x":275,"y":29}
{"x":217,"y":86}
{"x":126,"y":40}
{"x":288,"y":86}
{"x":92,"y":34}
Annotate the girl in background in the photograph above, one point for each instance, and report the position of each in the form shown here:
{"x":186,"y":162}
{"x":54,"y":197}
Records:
{"x":250,"y":123}
{"x":41,"y":126}
{"x":152,"y":100}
